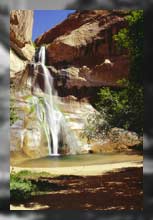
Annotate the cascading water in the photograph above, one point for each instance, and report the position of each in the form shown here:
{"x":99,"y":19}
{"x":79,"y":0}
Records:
{"x":53,"y":120}
{"x":53,"y":116}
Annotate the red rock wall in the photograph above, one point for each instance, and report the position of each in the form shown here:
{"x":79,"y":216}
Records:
{"x":85,"y":38}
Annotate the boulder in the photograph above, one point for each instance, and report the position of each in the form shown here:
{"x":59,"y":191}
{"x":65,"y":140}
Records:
{"x":118,"y":140}
{"x":127,"y":138}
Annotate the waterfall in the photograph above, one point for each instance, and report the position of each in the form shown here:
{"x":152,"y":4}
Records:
{"x":42,"y":55}
{"x":53,"y":120}
{"x":53,"y":115}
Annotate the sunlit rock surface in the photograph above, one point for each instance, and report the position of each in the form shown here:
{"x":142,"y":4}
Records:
{"x":22,"y":50}
{"x":86,"y":37}
{"x":27,"y":134}
{"x":21,"y":23}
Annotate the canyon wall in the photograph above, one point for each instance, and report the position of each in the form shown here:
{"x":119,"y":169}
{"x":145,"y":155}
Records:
{"x":83,"y":49}
{"x":81,"y":56}
{"x":21,"y":48}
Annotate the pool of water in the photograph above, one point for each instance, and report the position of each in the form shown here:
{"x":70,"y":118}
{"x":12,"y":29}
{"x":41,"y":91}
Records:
{"x":80,"y":160}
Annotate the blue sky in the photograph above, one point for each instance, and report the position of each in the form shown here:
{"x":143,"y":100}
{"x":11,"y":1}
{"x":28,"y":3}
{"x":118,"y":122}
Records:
{"x":47,"y":19}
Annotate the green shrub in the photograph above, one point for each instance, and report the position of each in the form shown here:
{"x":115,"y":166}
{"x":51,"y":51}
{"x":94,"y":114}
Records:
{"x":27,"y":183}
{"x":123,"y":107}
{"x":20,"y":188}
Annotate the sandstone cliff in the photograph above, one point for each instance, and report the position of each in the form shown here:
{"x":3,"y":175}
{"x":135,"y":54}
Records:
{"x":81,"y":44}
{"x":21,"y":24}
{"x":82,"y":57}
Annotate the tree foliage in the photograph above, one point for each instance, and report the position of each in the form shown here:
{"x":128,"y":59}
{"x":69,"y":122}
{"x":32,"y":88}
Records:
{"x":124,"y":107}
{"x":132,"y":38}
